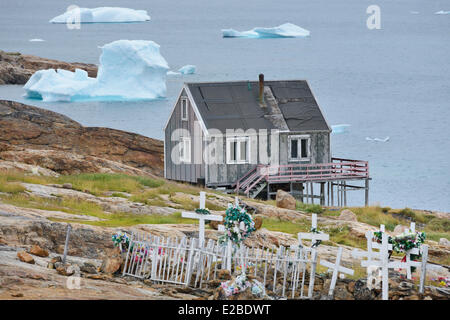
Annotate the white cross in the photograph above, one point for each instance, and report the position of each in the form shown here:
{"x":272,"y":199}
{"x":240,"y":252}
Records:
{"x":314,"y":237}
{"x":201,"y":218}
{"x":336,"y":268}
{"x":412,"y":229}
{"x":382,"y":260}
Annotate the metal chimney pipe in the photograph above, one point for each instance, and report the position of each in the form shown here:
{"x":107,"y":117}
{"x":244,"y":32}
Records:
{"x":261,"y":88}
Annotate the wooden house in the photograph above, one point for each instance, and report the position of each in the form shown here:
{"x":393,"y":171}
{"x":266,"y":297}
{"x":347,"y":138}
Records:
{"x":247,"y":136}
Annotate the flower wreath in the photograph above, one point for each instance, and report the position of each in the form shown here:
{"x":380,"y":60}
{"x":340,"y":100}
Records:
{"x":403,"y":243}
{"x":240,"y":284}
{"x":202,"y":211}
{"x":121,"y":240}
{"x":234,"y":216}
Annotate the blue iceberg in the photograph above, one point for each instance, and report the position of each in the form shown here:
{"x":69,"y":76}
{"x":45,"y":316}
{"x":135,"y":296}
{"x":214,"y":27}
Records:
{"x":188,"y":69}
{"x":129,"y":70}
{"x":287,"y":30}
{"x":101,"y":15}
{"x":340,"y":128}
{"x":442,"y":12}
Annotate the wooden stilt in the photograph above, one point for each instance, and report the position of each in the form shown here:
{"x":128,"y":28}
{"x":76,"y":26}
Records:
{"x":307,"y":192}
{"x":367,"y":193}
{"x":312,"y":193}
{"x":345,"y":194}
{"x":301,"y":192}
{"x":322,"y":193}
{"x":332,"y":193}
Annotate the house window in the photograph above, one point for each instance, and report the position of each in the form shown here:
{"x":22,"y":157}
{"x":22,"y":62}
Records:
{"x":238,"y":150}
{"x":299,"y":148}
{"x":184,"y":109}
{"x":185,"y":150}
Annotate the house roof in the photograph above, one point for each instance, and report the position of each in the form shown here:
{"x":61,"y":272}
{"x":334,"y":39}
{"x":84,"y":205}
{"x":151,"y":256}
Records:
{"x":235,"y":105}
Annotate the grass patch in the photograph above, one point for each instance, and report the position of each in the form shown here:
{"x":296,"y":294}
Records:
{"x":68,"y":205}
{"x":308,"y":207}
{"x":10,"y":187}
{"x":128,"y":220}
{"x":98,"y":183}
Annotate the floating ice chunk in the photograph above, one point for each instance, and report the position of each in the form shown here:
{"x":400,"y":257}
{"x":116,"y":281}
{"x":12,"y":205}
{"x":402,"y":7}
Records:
{"x":188,"y":69}
{"x":231,"y":33}
{"x":172,"y":73}
{"x":378,"y":139}
{"x":102,"y":15}
{"x":414,"y":12}
{"x":36,"y":40}
{"x":287,"y":30}
{"x":129,"y":70}
{"x":340,"y":128}
{"x":442,"y":12}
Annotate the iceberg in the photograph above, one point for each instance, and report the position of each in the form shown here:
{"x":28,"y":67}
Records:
{"x":172,"y":73}
{"x":442,"y":12}
{"x":129,"y":70}
{"x":36,"y":40}
{"x":101,"y":15}
{"x":339,"y":128}
{"x":378,"y":139}
{"x":188,"y":69}
{"x":287,"y":30}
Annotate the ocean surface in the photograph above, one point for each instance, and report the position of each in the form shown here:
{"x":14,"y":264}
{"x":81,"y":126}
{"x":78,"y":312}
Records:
{"x":393,"y":82}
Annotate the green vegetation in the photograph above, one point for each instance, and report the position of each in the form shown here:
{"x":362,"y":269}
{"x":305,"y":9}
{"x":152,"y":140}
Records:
{"x":127,"y":220}
{"x":10,"y":187}
{"x":307,"y":207}
{"x":159,"y":192}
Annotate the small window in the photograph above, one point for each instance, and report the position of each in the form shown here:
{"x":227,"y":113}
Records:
{"x":185,"y":150}
{"x":238,"y":150}
{"x":299,"y":148}
{"x":184,"y":109}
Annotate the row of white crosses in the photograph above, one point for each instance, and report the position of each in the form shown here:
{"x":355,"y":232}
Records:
{"x":381,"y":259}
{"x":336,"y":268}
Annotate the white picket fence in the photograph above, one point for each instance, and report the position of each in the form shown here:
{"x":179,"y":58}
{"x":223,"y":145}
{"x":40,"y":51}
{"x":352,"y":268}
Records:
{"x":182,"y":261}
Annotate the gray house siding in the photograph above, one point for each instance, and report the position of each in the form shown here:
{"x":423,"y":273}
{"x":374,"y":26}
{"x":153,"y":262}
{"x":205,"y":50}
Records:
{"x":227,"y":174}
{"x":189,"y":172}
{"x":320,"y":147}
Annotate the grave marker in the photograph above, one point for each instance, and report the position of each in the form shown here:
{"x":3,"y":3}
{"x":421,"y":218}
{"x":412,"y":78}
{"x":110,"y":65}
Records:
{"x":336,"y":268}
{"x":201,"y":218}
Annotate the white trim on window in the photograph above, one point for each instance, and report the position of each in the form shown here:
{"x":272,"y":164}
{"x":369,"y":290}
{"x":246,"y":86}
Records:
{"x":300,"y":156}
{"x":234,"y":150}
{"x":184,"y":108}
{"x":185,"y":149}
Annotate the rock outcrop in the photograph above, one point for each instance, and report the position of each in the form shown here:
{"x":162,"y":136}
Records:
{"x":16,"y":68}
{"x":46,"y":139}
{"x":347,"y":215}
{"x":285,"y":200}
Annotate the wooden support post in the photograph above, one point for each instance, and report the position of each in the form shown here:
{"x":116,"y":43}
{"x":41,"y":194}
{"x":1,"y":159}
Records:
{"x":301,"y":192}
{"x":66,"y":244}
{"x":307,"y":192}
{"x":312,"y":193}
{"x":322,"y":193}
{"x":328,"y":193}
{"x":345,"y":194}
{"x":332,"y":193}
{"x":367,"y":193}
{"x":268,"y":191}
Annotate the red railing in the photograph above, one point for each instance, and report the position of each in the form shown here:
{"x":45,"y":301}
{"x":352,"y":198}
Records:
{"x":338,"y":169}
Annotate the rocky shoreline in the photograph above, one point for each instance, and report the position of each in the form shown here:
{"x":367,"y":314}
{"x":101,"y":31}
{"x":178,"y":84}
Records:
{"x":17,"y":68}
{"x":34,"y":138}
